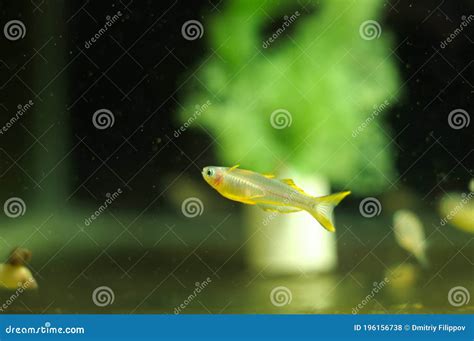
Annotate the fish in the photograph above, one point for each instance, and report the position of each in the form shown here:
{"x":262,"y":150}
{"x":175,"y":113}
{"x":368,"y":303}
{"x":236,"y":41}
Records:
{"x":271,"y":194}
{"x":457,"y":209}
{"x":410,"y":234}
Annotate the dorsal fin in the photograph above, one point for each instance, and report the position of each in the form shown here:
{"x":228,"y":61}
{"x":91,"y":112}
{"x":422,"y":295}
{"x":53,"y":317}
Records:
{"x":292,"y":184}
{"x":269,"y":175}
{"x":232,"y":168}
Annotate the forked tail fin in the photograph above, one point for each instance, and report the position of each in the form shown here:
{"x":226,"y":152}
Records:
{"x":322,"y":209}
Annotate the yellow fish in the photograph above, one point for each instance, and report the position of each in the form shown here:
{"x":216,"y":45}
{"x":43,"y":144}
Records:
{"x":271,"y":194}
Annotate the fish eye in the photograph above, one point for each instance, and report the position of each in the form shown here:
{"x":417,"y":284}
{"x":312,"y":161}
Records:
{"x":210,"y":172}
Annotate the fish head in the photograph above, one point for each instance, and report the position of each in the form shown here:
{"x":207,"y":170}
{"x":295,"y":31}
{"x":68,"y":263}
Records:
{"x":213,"y":175}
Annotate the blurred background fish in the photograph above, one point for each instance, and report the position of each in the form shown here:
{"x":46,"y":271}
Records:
{"x":410,"y":234}
{"x":457,"y":209}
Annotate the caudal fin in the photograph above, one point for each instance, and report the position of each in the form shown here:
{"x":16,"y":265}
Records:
{"x":322,"y":209}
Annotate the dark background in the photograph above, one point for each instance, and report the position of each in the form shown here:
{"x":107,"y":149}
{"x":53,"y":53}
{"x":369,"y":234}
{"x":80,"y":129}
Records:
{"x":143,"y":81}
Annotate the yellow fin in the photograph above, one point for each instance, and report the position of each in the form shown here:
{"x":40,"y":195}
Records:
{"x":245,"y":200}
{"x":322,"y":209}
{"x":292,"y":184}
{"x":232,"y":168}
{"x":279,"y":209}
{"x":269,"y":176}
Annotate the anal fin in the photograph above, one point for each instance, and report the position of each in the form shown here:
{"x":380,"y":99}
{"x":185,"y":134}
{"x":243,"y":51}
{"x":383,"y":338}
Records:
{"x":279,"y":209}
{"x":246,"y":200}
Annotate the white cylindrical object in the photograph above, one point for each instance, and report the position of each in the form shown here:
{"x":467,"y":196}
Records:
{"x":291,"y":243}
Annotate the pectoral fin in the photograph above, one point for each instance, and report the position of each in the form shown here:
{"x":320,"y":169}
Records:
{"x":279,"y":209}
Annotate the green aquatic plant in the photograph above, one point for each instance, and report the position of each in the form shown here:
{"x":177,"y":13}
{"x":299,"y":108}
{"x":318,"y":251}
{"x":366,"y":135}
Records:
{"x":311,"y":93}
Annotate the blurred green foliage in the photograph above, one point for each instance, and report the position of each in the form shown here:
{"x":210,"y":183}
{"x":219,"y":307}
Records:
{"x":319,"y":69}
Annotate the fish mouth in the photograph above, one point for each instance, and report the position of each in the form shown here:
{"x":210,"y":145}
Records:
{"x":204,"y":174}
